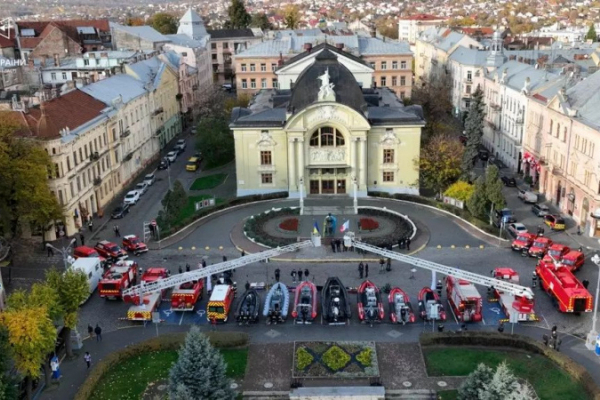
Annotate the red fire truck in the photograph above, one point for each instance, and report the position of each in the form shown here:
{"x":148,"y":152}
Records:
{"x":464,"y":299}
{"x":556,"y":251}
{"x":565,"y":289}
{"x":185,"y":296}
{"x":523,"y":241}
{"x":142,"y":310}
{"x":539,"y":247}
{"x":520,"y":304}
{"x":120,"y":276}
{"x":573,"y":260}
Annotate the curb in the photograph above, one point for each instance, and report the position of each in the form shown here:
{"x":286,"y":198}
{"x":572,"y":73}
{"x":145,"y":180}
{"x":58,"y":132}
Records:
{"x":443,"y":211}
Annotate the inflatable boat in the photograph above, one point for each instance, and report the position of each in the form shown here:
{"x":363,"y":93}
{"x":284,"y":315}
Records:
{"x":336,"y":306}
{"x":277,"y":304}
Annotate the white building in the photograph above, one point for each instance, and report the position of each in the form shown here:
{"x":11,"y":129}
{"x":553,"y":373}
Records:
{"x":410,"y":27}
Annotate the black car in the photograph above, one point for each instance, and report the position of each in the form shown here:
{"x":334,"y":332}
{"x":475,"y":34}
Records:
{"x":509,"y":181}
{"x":484,"y":155}
{"x":120,"y":211}
{"x":164,"y":164}
{"x":199,"y":156}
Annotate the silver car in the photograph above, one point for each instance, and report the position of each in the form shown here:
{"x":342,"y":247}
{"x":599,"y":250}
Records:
{"x":141,"y":187}
{"x":149,"y":179}
{"x":540,"y":210}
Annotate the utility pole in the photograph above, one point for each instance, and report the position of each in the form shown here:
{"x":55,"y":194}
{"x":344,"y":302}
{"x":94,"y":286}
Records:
{"x":592,"y":336}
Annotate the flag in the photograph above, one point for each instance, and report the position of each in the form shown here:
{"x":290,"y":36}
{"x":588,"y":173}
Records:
{"x":346,"y":226}
{"x":316,"y":230}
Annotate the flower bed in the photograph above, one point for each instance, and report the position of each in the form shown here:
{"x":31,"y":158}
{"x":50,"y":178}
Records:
{"x":335,"y":360}
{"x":289,"y":225}
{"x":254,"y":228}
{"x":402,"y":228}
{"x":368,"y":224}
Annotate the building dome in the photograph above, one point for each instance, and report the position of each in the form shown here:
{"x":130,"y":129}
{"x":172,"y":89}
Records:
{"x":346,"y":88}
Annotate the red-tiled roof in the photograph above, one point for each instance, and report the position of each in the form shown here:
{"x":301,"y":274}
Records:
{"x":422,"y":17}
{"x":540,"y":97}
{"x":70,"y":110}
{"x":4,"y":42}
{"x":482,"y":30}
{"x":69,"y":27}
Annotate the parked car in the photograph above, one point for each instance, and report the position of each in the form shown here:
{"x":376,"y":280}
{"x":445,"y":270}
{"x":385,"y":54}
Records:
{"x":110,"y":250}
{"x":171,"y":156}
{"x":527,"y":196}
{"x":227,"y":87}
{"x":141,"y":187}
{"x":505,"y":215}
{"x":517,"y":228}
{"x":132,"y":197}
{"x":199,"y":155}
{"x":509,"y":181}
{"x":181,"y":143}
{"x":484,"y":155}
{"x":150,"y":179}
{"x":192,"y":164}
{"x":178,"y":150}
{"x":164,"y":163}
{"x":120,"y":211}
{"x":540,"y":210}
{"x":555,"y":222}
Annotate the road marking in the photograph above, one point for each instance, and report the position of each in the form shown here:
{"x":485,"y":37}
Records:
{"x":181,"y":319}
{"x":453,"y":247}
{"x":545,"y":320}
{"x":167,"y":312}
{"x":201,"y":313}
{"x":481,"y":246}
{"x":439,"y":247}
{"x":467,"y":247}
{"x":207,"y":248}
{"x":496,"y":310}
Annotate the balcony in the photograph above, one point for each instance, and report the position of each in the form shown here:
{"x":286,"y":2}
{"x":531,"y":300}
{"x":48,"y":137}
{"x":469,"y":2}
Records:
{"x":97,"y":181}
{"x":496,"y":107}
{"x":129,"y":156}
{"x":466,"y":95}
{"x":542,"y":160}
{"x":126,"y":133}
{"x":195,"y":87}
{"x":468,"y":81}
{"x":158,"y":111}
{"x":159,"y":132}
{"x":519,"y":120}
{"x":95,"y":156}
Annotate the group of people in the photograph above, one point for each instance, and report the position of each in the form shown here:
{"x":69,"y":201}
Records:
{"x":337,"y":246}
{"x":296,"y":275}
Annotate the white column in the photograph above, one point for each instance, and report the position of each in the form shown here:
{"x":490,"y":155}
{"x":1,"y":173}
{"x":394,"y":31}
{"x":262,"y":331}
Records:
{"x":356,"y":158}
{"x":291,"y":165}
{"x":300,"y":147}
{"x":363,"y":164}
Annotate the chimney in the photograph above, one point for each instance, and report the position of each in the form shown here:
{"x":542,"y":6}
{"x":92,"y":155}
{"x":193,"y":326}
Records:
{"x":373,"y":32}
{"x":339,"y":46}
{"x":307,"y":47}
{"x":56,"y":60}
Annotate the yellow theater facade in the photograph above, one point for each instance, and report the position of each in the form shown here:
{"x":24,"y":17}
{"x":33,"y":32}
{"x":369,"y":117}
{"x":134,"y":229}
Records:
{"x":327,"y":132}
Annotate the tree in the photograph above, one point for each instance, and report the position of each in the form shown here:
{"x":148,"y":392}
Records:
{"x":212,"y":103}
{"x":260,"y":20}
{"x":493,"y":188}
{"x":388,"y":28}
{"x":173,"y":203}
{"x":238,"y":16}
{"x":242,"y":100}
{"x":164,"y":23}
{"x":477,"y":203}
{"x":460,"y":190}
{"x":291,"y":16}
{"x":501,"y":386}
{"x":8,"y":384}
{"x":134,"y":22}
{"x":24,"y":170}
{"x":591,"y":34}
{"x":473,"y":131}
{"x":200,"y":369}
{"x":73,"y":289}
{"x":215,"y":140}
{"x":469,"y":390}
{"x":439,"y":165}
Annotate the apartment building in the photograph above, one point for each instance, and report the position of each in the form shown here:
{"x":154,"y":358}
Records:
{"x":409,"y":27}
{"x":391,"y":61}
{"x":560,"y":149}
{"x":224,"y":44}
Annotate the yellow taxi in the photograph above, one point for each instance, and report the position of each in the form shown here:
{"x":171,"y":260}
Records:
{"x":555,"y":222}
{"x":192,"y":164}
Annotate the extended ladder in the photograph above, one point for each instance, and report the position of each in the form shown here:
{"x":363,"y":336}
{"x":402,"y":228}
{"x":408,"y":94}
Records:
{"x":175,"y":280}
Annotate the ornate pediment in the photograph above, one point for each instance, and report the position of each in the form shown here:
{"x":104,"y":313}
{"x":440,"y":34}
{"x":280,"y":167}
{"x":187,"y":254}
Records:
{"x":266,"y":140}
{"x":389,"y":139}
{"x":327,"y":155}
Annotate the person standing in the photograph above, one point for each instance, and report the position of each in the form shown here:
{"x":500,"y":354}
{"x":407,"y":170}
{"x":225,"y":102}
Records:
{"x":54,"y":364}
{"x":389,"y":264}
{"x":332,"y":245}
{"x":338,"y":245}
{"x":224,"y":258}
{"x":306,"y":273}
{"x":90,"y":224}
{"x":361,"y":269}
{"x":293,"y":274}
{"x":98,"y":332}
{"x":88,"y":359}
{"x":180,"y":270}
{"x":82,"y":239}
{"x":277,"y":274}
{"x":116,"y":229}
{"x":243,"y":253}
{"x":187,"y":267}
{"x":300,"y":275}
{"x":439,"y":287}
{"x":90,"y":331}
{"x":407,"y":241}
{"x":366,"y":270}
{"x":381,"y":264}
{"x":534,"y":280}
{"x":49,"y":250}
{"x":203,"y":263}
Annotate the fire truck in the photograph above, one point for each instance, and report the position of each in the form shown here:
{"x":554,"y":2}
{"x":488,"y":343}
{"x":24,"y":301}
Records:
{"x":569,"y":295}
{"x":539,"y":247}
{"x":523,"y":241}
{"x":556,"y":251}
{"x":185,"y":296}
{"x":145,"y":303}
{"x":573,"y":260}
{"x":152,"y":290}
{"x":219,"y":305}
{"x":519,"y":304}
{"x":120,"y":276}
{"x":464,"y":299}
{"x":517,"y":299}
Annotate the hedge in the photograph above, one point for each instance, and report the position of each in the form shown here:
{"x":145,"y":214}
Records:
{"x":464,"y":214}
{"x":254,"y":227}
{"x":495,"y":339}
{"x":171,"y":341}
{"x":226,"y":204}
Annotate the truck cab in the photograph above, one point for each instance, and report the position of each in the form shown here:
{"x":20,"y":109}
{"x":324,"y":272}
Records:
{"x":539,"y":247}
{"x":573,"y":260}
{"x":556,"y":252}
{"x":220,"y":303}
{"x":92,"y":268}
{"x":523,"y":241}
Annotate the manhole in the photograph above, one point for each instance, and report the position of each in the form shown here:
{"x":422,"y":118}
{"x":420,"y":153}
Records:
{"x":442,"y":384}
{"x":406,"y":384}
{"x":268,"y":385}
{"x":161,"y":388}
{"x":394,"y":334}
{"x":272,"y":333}
{"x":233,"y":386}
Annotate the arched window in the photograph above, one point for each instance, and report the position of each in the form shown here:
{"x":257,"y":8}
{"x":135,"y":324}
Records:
{"x":327,"y":137}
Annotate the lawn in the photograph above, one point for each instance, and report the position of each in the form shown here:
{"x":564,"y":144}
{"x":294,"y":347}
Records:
{"x":190,"y":207}
{"x":553,"y":383}
{"x":448,"y":394}
{"x":129,"y":379}
{"x":208,"y":182}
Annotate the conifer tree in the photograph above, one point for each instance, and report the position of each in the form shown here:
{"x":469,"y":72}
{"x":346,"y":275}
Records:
{"x":475,"y":382}
{"x":473,"y":131}
{"x":493,"y":188}
{"x":238,"y":16}
{"x":502,"y":385}
{"x":199,"y":372}
{"x":591,"y":34}
{"x":477,"y":203}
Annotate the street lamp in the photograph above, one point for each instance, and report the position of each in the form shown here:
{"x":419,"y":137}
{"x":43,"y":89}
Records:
{"x":65,"y":252}
{"x":592,"y":336}
{"x":301,"y":185}
{"x":355,"y":201}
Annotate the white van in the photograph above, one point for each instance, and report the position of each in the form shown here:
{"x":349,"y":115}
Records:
{"x":92,"y":268}
{"x":527,"y":196}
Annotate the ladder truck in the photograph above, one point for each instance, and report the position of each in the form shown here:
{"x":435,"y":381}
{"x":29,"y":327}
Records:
{"x":152,"y":288}
{"x":489,"y":282}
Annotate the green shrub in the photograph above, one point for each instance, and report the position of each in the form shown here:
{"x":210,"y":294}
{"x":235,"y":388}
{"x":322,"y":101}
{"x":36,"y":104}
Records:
{"x":171,"y":341}
{"x":335,"y":358}
{"x":303,"y":359}
{"x":364,"y":357}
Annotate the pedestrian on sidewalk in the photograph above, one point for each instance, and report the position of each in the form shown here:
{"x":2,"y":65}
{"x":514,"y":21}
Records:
{"x":361,"y":269}
{"x":277,"y":274}
{"x":98,"y":332}
{"x":54,"y":364}
{"x":381,"y":264}
{"x":90,"y":224}
{"x":49,"y":250}
{"x":117,"y":231}
{"x":203,"y":263}
{"x":338,"y":245}
{"x":180,"y":270}
{"x":88,"y":359}
{"x":90,"y":331}
{"x":332,"y":243}
{"x":224,"y":258}
{"x":243,"y":253}
{"x":82,"y":239}
{"x":187,"y":267}
{"x":293,"y":274}
{"x":439,"y":287}
{"x":306,"y":273}
{"x":300,"y":275}
{"x":389,"y":264}
{"x":407,"y":241}
{"x":366,"y":270}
